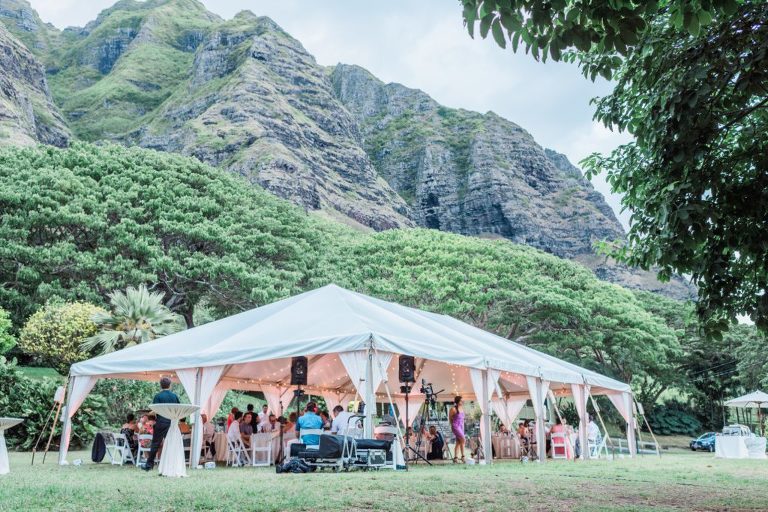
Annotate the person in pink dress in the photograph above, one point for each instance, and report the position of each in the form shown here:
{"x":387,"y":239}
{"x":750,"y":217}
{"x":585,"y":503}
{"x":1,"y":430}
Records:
{"x":456,"y":419}
{"x":560,"y":428}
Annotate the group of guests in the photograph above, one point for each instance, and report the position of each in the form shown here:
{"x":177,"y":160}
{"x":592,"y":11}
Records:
{"x":242,"y":425}
{"x":526,"y":431}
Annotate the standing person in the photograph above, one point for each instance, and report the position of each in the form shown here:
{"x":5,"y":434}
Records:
{"x":263,"y":415}
{"x":456,"y":419}
{"x":165,"y":396}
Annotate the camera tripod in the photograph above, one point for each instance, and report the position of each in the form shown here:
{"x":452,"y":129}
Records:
{"x":426,"y":412}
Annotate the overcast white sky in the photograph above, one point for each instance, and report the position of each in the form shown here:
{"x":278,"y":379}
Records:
{"x":424,"y":45}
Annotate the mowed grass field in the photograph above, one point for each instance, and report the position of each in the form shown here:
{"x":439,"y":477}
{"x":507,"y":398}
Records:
{"x":679,"y":481}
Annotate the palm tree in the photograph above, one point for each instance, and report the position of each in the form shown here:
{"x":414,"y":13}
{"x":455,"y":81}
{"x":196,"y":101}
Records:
{"x":136,"y":316}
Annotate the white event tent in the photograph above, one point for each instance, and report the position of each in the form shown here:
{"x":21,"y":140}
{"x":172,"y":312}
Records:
{"x":352,"y":342}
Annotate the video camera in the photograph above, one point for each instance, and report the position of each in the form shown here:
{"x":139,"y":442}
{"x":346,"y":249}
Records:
{"x":429,"y":393}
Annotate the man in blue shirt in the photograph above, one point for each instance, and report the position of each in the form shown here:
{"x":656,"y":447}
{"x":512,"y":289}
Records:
{"x":309,"y":420}
{"x":166,"y":396}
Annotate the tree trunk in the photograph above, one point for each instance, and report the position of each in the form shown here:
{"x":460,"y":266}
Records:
{"x":188,"y":316}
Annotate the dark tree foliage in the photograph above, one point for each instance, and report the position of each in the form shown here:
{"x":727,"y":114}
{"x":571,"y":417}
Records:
{"x":692,"y":88}
{"x":81,"y":222}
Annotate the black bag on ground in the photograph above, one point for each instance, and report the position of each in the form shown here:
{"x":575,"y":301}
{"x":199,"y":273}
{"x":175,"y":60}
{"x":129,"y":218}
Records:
{"x":294,"y":466}
{"x":99,"y":448}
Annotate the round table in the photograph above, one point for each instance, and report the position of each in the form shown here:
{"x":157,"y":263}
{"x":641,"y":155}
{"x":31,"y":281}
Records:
{"x":172,"y":462}
{"x":5,"y":424}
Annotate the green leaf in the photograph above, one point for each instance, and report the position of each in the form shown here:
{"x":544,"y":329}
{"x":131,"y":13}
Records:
{"x":498,"y":34}
{"x":485,"y":25}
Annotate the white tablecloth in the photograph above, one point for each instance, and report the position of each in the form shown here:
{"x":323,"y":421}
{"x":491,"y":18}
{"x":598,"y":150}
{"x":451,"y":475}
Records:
{"x":172,"y":462}
{"x":5,"y":424}
{"x":505,"y":446}
{"x":740,"y":447}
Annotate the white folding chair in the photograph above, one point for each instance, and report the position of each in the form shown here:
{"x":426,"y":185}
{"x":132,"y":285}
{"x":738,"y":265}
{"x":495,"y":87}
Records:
{"x":261,"y":443}
{"x":147,"y":438}
{"x":187,"y":440}
{"x":355,"y":432}
{"x":311,"y":432}
{"x":506,"y":447}
{"x":595,"y":446}
{"x":559,"y":446}
{"x":237,"y":453}
{"x":118,"y":449}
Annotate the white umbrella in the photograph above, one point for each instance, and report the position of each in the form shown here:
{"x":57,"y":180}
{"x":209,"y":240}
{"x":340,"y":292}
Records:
{"x":756,"y":399}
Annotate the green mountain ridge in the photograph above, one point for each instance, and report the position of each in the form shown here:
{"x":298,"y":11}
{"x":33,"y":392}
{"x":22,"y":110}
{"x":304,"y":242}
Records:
{"x":244,"y":95}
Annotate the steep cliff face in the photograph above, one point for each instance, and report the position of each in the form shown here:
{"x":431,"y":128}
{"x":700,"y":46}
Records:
{"x":21,"y":20}
{"x":471,"y":173}
{"x":479,"y":174}
{"x":257,"y":103}
{"x":27,"y":112}
{"x":119,"y":68}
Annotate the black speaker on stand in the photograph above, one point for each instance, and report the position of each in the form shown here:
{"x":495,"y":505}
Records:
{"x":407,"y":369}
{"x":299,"y":372}
{"x":406,"y":366}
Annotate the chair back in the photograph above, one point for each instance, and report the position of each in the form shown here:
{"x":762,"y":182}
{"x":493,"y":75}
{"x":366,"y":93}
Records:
{"x":310,"y":432}
{"x":559,"y":446}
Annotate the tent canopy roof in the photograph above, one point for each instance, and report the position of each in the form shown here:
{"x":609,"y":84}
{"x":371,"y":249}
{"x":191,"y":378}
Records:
{"x":753,"y":399}
{"x":328,"y":321}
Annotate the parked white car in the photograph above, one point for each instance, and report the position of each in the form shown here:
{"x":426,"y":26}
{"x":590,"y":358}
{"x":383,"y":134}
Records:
{"x":737,"y":430}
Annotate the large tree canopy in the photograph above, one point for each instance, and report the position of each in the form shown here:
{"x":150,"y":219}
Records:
{"x":79,"y":223}
{"x":515,"y":291}
{"x":692,"y":88}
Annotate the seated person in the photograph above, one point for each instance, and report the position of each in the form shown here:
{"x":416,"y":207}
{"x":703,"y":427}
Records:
{"x":523,"y":430}
{"x":340,"y":422}
{"x":290,"y":425}
{"x":503,"y":429}
{"x":184,"y":426}
{"x":309,"y":420}
{"x":271,"y":425}
{"x":208,"y":432}
{"x":437,"y":443}
{"x":148,"y":427}
{"x":246,"y":429}
{"x":129,"y":429}
{"x":231,"y":417}
{"x":326,"y":420}
{"x":233,"y":431}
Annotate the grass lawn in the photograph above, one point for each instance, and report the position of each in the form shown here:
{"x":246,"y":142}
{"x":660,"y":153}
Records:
{"x":38,"y":373}
{"x":676,"y":481}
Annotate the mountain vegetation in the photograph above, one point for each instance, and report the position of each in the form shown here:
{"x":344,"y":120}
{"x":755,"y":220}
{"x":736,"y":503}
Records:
{"x":243,"y":95}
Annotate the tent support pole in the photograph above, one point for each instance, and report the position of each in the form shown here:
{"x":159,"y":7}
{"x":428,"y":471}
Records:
{"x":197,"y":440}
{"x":541,"y":434}
{"x":485,"y":431}
{"x":631,"y":425}
{"x":66,"y":432}
{"x":602,"y":423}
{"x":370,"y":398}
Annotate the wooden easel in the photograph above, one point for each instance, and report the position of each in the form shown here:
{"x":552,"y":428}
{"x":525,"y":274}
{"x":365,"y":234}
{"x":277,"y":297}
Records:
{"x":58,"y":399}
